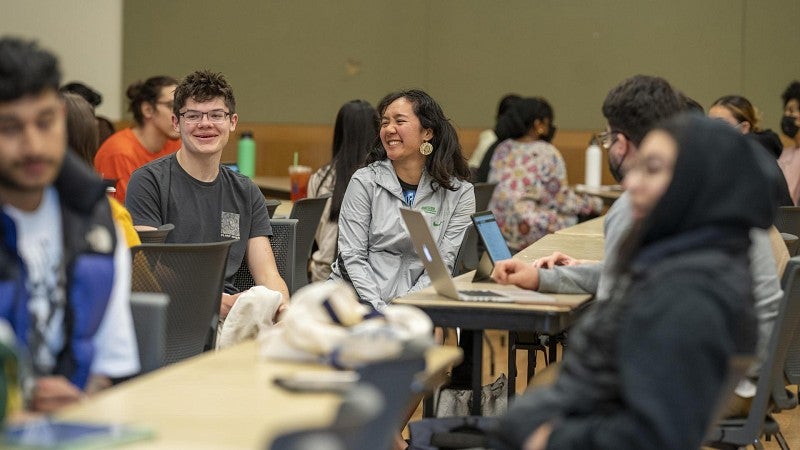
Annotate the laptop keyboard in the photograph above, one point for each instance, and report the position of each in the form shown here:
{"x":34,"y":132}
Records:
{"x":483,"y":296}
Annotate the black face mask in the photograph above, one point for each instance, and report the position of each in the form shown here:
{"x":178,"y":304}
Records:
{"x":550,"y":134}
{"x":616,"y":171}
{"x":789,"y":127}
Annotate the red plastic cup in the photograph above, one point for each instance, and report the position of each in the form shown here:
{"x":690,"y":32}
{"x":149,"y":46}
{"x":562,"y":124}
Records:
{"x":298,"y":180}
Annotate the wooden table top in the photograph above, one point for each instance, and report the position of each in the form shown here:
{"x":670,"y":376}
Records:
{"x":274,"y":187}
{"x":224,"y":399}
{"x":579,"y":246}
{"x":592,"y":227}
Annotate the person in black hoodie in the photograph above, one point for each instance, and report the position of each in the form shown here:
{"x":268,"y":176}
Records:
{"x":645,"y":367}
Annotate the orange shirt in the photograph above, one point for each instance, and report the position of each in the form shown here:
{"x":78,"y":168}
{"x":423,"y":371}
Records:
{"x":121,"y":154}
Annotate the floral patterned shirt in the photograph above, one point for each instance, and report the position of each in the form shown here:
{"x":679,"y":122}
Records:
{"x":533,"y":197}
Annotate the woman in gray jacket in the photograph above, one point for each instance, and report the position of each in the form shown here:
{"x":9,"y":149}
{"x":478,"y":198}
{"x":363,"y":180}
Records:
{"x":419,"y":165}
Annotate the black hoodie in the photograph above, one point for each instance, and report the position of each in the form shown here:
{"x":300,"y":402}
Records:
{"x":644,"y":369}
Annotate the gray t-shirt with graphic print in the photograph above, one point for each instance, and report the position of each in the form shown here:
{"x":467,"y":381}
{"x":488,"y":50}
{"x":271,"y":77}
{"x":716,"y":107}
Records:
{"x":230,"y":207}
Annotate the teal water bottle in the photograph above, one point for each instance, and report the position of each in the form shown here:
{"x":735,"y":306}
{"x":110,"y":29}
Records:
{"x":246,"y":158}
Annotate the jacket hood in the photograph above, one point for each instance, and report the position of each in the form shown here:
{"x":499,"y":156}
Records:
{"x":720,"y":180}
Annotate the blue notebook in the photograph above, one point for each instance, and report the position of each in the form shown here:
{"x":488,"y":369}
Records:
{"x":49,"y":434}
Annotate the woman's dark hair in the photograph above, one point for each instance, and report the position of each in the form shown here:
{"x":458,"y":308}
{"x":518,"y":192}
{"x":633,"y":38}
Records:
{"x":446,"y":161}
{"x":82,"y":136}
{"x":517,"y":121}
{"x":741,"y":109}
{"x":354,"y":134}
{"x":147,"y":91}
{"x":792,"y":92}
{"x":93,"y":97}
{"x":506,"y":103}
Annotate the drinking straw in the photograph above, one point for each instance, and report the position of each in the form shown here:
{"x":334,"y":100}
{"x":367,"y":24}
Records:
{"x":295,"y":158}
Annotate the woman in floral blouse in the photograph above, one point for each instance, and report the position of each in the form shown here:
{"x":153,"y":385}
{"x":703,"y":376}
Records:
{"x":533,"y":197}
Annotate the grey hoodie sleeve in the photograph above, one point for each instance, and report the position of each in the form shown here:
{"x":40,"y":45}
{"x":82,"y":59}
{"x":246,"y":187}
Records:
{"x":580,"y":279}
{"x":354,"y":224}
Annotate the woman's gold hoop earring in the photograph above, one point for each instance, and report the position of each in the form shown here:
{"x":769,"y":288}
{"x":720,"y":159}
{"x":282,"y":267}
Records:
{"x":426,"y":148}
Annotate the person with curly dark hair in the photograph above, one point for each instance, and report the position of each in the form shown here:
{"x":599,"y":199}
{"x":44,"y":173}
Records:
{"x":207,"y":202}
{"x":151,"y":137}
{"x":790,"y":125}
{"x":419,"y":165}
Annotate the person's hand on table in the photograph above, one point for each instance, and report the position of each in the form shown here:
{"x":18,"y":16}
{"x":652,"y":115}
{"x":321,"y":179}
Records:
{"x":554,"y":259}
{"x":53,"y":393}
{"x":519,"y":273}
{"x":539,"y":438}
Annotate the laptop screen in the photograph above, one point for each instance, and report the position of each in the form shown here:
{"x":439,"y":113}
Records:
{"x":491,"y":236}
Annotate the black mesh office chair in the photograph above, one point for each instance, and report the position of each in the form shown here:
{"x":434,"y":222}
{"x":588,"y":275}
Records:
{"x":483,"y":194}
{"x":157,"y":236}
{"x":308,"y":212}
{"x":192,"y":276}
{"x":787,"y":220}
{"x":272,"y":205}
{"x":283,"y":248}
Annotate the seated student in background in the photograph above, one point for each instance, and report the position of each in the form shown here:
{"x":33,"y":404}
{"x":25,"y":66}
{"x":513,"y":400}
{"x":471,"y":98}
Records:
{"x":104,"y":126}
{"x":354,"y":135}
{"x":645,"y":368}
{"x":533,"y":197}
{"x":742,"y":115}
{"x":150,"y":138}
{"x":419,"y":166}
{"x":790,"y":124}
{"x":64,"y":274}
{"x":481,"y":158}
{"x":207,"y":202}
{"x":82,"y":139}
{"x":633,"y":108}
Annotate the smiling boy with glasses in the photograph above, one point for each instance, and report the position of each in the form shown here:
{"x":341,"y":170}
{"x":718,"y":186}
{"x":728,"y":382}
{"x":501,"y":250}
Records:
{"x":207,"y":202}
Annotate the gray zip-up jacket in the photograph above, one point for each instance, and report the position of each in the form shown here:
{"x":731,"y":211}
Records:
{"x":374,"y":246}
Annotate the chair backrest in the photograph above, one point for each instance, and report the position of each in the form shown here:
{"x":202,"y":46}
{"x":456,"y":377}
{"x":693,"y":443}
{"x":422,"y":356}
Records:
{"x":396,"y":381}
{"x":192,"y":275}
{"x":787,"y":220}
{"x":157,"y":236}
{"x":371,"y":414}
{"x":792,"y":243}
{"x":483,"y":194}
{"x":772,"y":371}
{"x":272,"y":205}
{"x":308,"y":212}
{"x":283,"y":248}
{"x":467,"y":258}
{"x":360,"y":406}
{"x":149,"y":311}
{"x":792,"y":364}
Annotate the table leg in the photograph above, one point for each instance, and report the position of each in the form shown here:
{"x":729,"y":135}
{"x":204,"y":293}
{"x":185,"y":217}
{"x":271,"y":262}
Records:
{"x":552,"y":348}
{"x":477,"y":371}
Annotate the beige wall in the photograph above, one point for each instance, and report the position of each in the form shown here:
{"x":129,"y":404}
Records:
{"x":85,"y":34}
{"x":298,"y":61}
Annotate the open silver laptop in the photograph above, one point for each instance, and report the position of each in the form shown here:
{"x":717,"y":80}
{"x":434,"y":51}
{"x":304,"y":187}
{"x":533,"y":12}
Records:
{"x":428,"y":252}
